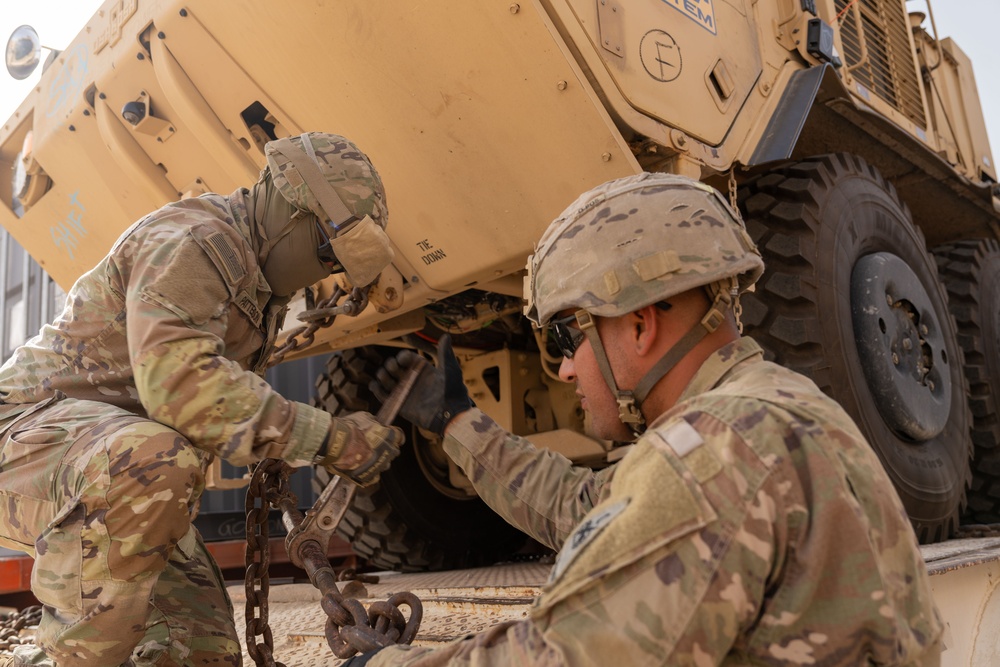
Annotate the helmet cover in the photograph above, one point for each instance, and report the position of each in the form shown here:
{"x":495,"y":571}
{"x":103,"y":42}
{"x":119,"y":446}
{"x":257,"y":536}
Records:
{"x":344,"y":166}
{"x":635,"y":241}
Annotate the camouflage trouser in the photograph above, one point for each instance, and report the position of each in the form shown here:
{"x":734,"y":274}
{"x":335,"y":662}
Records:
{"x":103,"y":500}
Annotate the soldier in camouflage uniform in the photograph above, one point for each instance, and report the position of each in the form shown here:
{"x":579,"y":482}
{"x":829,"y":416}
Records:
{"x":749,"y":523}
{"x":110,"y":415}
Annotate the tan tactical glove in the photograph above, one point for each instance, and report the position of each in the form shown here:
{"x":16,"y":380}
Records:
{"x":359,"y":448}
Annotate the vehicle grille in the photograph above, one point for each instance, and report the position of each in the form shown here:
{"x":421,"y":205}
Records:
{"x":889,"y":71}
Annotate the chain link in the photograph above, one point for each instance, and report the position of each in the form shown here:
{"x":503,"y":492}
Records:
{"x":350,"y":628}
{"x":323,"y":315}
{"x":733,"y":197}
{"x":267,"y":484}
{"x":734,"y":202}
{"x":11,"y":625}
{"x":302,"y":337}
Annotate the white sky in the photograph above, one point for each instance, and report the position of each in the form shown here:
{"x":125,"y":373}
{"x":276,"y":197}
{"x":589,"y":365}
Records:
{"x":972,"y":23}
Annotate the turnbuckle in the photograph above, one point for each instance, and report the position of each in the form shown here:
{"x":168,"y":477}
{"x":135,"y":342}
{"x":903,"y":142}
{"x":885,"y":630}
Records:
{"x":349,"y":627}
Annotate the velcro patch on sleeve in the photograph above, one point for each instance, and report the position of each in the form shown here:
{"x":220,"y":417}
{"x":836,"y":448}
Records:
{"x":590,"y":528}
{"x":652,"y":502}
{"x":225,"y":257}
{"x":190,"y":285}
{"x":686,"y":442}
{"x":682,"y":438}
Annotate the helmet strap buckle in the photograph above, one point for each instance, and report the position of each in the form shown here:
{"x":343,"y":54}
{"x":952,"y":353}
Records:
{"x":713,"y":319}
{"x":629,"y":413}
{"x":628,"y":406}
{"x":585,"y":320}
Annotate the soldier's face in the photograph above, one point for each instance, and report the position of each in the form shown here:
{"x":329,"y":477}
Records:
{"x":595,"y":395}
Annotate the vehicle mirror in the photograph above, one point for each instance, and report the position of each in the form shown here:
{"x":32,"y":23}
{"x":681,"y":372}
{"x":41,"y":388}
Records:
{"x":24,"y":52}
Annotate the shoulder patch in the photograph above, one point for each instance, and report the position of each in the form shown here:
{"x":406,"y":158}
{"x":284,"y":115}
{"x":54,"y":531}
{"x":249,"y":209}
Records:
{"x":225,"y":257}
{"x":187,"y":283}
{"x":686,"y":442}
{"x":590,"y":528}
{"x":682,"y":438}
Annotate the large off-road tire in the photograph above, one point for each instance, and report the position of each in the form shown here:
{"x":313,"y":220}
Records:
{"x":411,"y":519}
{"x":851,"y":298}
{"x":971,"y":273}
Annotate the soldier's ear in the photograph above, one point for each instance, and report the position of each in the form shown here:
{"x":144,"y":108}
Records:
{"x":644,"y":329}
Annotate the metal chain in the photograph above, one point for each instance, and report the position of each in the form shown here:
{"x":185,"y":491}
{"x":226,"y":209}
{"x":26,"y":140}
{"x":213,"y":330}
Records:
{"x":734,"y":202}
{"x":307,"y":332}
{"x":268,"y":482}
{"x":350,"y":628}
{"x":12,"y":624}
{"x":733,"y":198}
{"x":323,"y":315}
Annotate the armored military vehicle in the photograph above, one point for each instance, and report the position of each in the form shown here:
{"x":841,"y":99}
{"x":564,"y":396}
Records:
{"x":848,"y":131}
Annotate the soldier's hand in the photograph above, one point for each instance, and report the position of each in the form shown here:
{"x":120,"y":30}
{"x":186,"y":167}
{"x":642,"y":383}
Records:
{"x":359,"y":448}
{"x":439,"y":395}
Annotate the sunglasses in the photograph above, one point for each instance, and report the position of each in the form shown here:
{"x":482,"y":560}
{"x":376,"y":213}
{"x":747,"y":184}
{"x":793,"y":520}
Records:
{"x":567,"y":338}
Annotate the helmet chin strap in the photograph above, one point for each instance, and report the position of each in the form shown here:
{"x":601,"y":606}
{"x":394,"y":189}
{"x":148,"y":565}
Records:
{"x":630,"y":402}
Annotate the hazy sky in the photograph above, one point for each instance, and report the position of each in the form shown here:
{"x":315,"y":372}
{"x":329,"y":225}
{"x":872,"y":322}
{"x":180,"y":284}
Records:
{"x":972,"y":23}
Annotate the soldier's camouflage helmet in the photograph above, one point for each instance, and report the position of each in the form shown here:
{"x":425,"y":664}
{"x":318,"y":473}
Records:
{"x":342,"y":164}
{"x":328,"y":175}
{"x":635,"y":241}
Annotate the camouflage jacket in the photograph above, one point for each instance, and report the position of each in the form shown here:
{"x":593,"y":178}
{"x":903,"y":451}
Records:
{"x":751,"y":524}
{"x":176,"y":324}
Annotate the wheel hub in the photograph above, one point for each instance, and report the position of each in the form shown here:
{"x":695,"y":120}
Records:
{"x":901,"y":346}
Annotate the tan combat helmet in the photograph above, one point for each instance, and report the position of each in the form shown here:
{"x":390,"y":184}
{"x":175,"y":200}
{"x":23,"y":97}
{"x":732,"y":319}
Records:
{"x":637,"y":241}
{"x":328,"y":175}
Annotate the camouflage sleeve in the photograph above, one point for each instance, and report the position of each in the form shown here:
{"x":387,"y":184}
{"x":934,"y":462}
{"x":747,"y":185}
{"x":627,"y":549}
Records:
{"x":709,"y":548}
{"x":539,"y":491}
{"x":652,"y":575}
{"x":177,"y":306}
